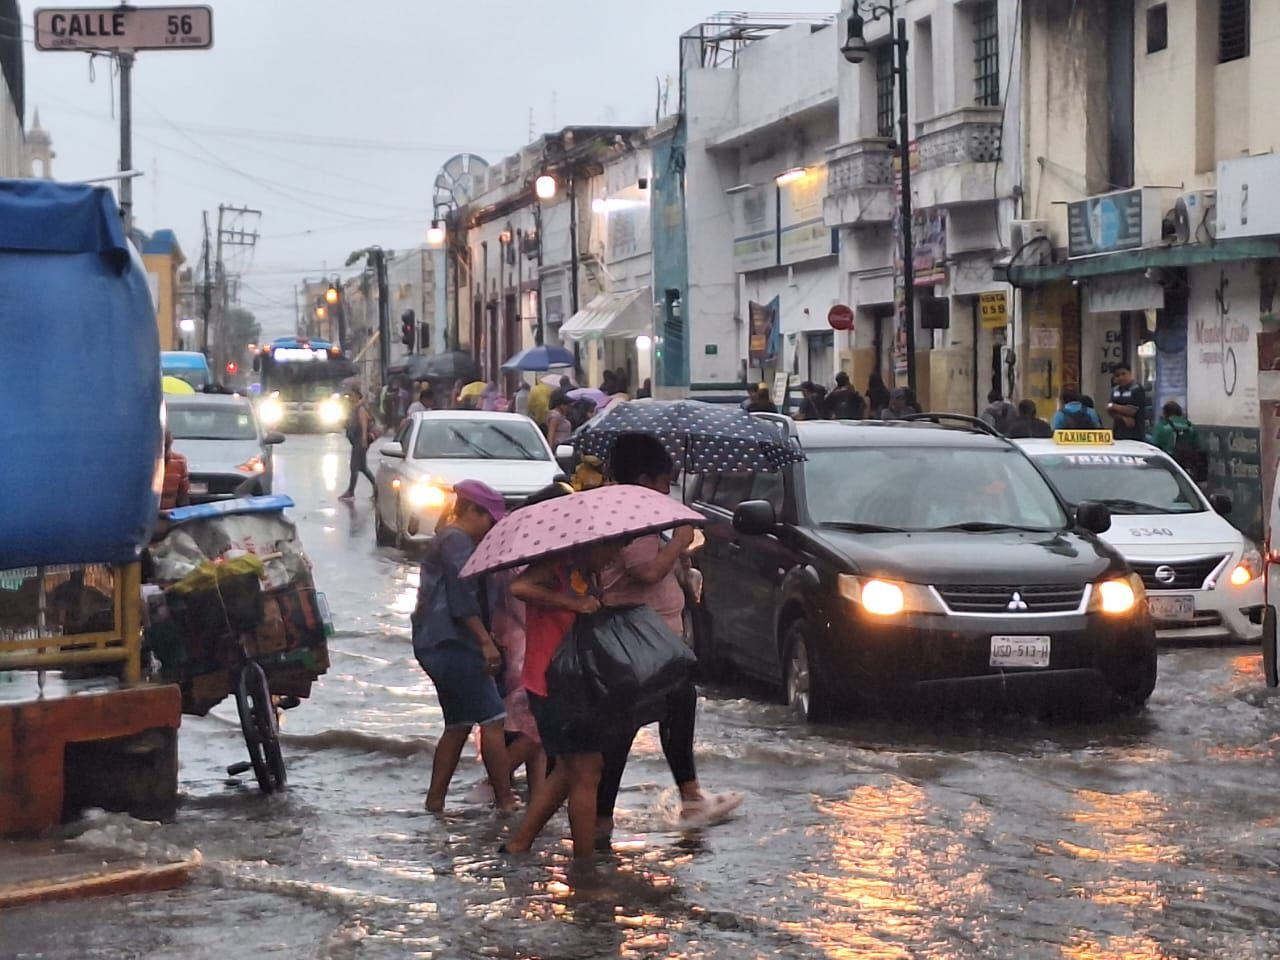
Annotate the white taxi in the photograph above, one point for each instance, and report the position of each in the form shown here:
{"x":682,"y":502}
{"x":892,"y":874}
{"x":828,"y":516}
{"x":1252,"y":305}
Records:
{"x":1203,"y":576}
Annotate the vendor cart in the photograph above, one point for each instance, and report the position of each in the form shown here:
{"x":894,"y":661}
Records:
{"x":231,"y":610}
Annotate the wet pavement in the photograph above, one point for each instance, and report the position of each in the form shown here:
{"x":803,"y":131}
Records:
{"x":1148,"y":837}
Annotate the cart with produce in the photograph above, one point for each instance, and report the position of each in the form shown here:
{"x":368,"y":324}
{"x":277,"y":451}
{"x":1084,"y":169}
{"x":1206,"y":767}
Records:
{"x":232,"y":610}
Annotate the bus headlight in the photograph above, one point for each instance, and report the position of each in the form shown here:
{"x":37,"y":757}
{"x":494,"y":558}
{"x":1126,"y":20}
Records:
{"x":425,"y":495}
{"x":271,"y":411}
{"x":331,"y":412}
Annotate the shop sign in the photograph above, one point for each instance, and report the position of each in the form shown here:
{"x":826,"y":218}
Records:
{"x":993,"y":309}
{"x":1103,"y":224}
{"x":1248,"y":201}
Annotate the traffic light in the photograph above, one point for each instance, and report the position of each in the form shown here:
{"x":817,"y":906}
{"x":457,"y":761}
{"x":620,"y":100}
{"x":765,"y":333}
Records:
{"x":408,"y":328}
{"x":232,"y":368}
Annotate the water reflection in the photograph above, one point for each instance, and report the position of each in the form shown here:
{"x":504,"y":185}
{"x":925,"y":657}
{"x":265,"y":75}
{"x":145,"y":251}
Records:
{"x":330,"y":465}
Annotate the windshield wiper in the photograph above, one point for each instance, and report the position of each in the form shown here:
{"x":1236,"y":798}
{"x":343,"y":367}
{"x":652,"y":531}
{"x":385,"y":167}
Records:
{"x":1134,"y":506}
{"x":982,"y":526}
{"x":484,"y":454}
{"x":511,"y":439}
{"x":853,"y":527}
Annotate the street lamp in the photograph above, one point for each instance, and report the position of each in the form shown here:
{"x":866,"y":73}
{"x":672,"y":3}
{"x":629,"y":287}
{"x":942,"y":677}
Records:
{"x":331,"y":295}
{"x":436,"y":235}
{"x":855,"y":50}
{"x":545,"y":187}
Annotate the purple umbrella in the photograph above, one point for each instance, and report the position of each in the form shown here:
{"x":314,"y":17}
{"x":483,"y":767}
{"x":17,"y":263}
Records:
{"x":598,"y":397}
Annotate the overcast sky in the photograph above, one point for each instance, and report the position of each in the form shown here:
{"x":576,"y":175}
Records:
{"x":333,"y":118}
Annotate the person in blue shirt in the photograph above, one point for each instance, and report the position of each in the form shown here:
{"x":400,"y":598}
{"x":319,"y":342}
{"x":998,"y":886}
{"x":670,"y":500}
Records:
{"x":1074,"y":414}
{"x":452,"y":643}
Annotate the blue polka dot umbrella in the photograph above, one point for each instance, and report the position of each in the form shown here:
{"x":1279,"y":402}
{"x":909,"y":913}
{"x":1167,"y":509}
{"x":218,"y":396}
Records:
{"x":701,"y":437}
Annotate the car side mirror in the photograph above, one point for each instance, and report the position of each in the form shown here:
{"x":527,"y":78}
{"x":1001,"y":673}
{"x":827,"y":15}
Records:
{"x":1094,"y":517}
{"x":273,"y":438}
{"x":393,"y":450}
{"x":565,"y":451}
{"x":755,"y":518}
{"x":1221,"y":503}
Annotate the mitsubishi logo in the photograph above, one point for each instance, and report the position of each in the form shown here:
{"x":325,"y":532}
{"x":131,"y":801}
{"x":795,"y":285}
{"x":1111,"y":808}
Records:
{"x":1017,"y":603}
{"x":1165,"y":574}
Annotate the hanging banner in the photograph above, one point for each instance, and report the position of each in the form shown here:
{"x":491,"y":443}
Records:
{"x":764,"y":331}
{"x":755,"y":228}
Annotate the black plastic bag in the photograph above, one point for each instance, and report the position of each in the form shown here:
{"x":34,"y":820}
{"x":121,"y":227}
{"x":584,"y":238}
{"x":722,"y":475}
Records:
{"x":618,"y":665}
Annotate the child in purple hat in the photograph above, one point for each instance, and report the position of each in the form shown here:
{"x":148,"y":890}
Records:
{"x":452,"y":642}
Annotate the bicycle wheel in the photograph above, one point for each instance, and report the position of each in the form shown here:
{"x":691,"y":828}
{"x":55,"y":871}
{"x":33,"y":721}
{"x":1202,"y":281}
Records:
{"x":258,"y":724}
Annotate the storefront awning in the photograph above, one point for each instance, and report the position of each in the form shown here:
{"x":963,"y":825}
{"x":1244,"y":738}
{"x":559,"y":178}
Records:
{"x":1179,"y":255}
{"x":623,"y":314}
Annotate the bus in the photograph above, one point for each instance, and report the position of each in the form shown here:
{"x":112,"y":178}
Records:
{"x":301,"y":382}
{"x":188,"y":365}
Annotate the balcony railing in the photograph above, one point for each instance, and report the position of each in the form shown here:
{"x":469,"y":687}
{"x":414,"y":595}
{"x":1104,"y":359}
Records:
{"x":970,"y":135}
{"x":860,"y":183}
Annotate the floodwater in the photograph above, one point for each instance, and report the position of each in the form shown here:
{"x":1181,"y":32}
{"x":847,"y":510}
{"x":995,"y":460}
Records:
{"x":1148,"y":837}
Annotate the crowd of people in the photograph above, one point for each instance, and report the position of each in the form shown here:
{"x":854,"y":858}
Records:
{"x":487,"y":643}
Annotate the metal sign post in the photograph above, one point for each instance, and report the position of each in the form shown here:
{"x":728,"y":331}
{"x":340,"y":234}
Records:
{"x":122,"y":31}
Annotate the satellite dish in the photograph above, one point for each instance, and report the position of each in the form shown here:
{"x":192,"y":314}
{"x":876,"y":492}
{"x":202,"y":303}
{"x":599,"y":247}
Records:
{"x":455,"y":183}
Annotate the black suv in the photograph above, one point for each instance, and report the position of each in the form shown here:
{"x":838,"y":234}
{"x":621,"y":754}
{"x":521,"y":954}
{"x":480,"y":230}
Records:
{"x":917,"y":560}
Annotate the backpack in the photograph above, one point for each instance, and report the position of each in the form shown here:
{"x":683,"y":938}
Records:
{"x":1188,"y":455}
{"x":1077,"y":420}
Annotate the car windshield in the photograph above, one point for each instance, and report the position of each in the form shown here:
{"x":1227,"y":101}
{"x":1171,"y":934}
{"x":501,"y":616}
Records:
{"x":211,"y":423}
{"x":1133,"y":484}
{"x":928,"y":488}
{"x":479,"y":440}
{"x":192,"y":375}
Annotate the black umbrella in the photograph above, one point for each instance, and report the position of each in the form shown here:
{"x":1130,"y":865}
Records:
{"x":701,"y":437}
{"x":456,"y":365}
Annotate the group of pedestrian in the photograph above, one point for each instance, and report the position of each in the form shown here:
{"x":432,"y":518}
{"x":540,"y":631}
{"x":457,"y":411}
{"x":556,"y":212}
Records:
{"x":488,"y":642}
{"x":844,"y":402}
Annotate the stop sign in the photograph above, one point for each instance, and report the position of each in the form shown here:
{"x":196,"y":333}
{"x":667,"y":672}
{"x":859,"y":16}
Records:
{"x":840,"y":317}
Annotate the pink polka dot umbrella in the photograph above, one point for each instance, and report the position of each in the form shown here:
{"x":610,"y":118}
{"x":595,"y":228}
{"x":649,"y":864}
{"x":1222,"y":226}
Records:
{"x":555,"y":526}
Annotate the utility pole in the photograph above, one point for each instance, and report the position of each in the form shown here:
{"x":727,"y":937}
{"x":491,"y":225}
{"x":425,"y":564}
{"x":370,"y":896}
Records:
{"x":231,"y":232}
{"x":206,"y":291}
{"x":384,"y":309}
{"x":125,"y":59}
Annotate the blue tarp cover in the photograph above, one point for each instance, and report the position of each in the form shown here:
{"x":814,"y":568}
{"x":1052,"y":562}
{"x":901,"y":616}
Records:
{"x":80,"y":465}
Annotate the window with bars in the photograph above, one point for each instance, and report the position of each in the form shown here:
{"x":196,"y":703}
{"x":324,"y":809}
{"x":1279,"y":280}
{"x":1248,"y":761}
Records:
{"x":986,"y":54}
{"x":884,"y":90}
{"x":1233,"y":30}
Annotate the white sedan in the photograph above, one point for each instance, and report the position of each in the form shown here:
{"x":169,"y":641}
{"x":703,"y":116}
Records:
{"x":1203,"y":576}
{"x":434,"y":450}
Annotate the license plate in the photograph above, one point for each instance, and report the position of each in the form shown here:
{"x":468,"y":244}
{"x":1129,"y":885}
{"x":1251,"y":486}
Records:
{"x":1173,"y":608}
{"x":199,"y":488}
{"x":1019,"y":651}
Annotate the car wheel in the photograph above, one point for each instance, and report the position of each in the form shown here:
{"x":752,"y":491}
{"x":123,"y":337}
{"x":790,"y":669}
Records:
{"x":807,"y":695}
{"x":384,"y":536}
{"x":1132,"y":695}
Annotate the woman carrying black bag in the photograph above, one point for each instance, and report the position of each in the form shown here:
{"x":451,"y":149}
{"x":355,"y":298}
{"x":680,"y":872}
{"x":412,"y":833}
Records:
{"x":555,"y":594}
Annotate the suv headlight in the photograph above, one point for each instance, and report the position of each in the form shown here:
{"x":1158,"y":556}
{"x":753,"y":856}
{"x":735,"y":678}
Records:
{"x":881,"y":597}
{"x":1248,"y":569}
{"x":1117,"y":596}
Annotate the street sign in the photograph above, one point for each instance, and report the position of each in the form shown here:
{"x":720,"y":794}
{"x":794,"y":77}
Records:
{"x":124,"y":28}
{"x":840,"y":317}
{"x":994,"y":309}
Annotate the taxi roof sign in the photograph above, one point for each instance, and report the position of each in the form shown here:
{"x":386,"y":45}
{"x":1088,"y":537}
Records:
{"x":1085,"y":438}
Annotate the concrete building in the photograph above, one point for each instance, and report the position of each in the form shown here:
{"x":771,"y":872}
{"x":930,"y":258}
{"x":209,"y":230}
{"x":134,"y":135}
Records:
{"x":964,"y":134}
{"x":521,"y":265}
{"x":163,"y":259}
{"x":1153,"y":219}
{"x":759,"y":117}
{"x":11,"y":92}
{"x":615,"y":329}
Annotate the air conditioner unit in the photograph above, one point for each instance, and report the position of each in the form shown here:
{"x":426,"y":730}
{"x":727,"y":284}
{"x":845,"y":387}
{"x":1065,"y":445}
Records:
{"x":1193,"y":216}
{"x":1029,"y":243}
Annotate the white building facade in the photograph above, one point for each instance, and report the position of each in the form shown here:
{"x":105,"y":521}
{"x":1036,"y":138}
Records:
{"x":965,"y":161}
{"x":11,"y":93}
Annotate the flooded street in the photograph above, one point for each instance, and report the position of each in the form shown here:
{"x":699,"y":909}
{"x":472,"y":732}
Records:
{"x":1155,"y":836}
